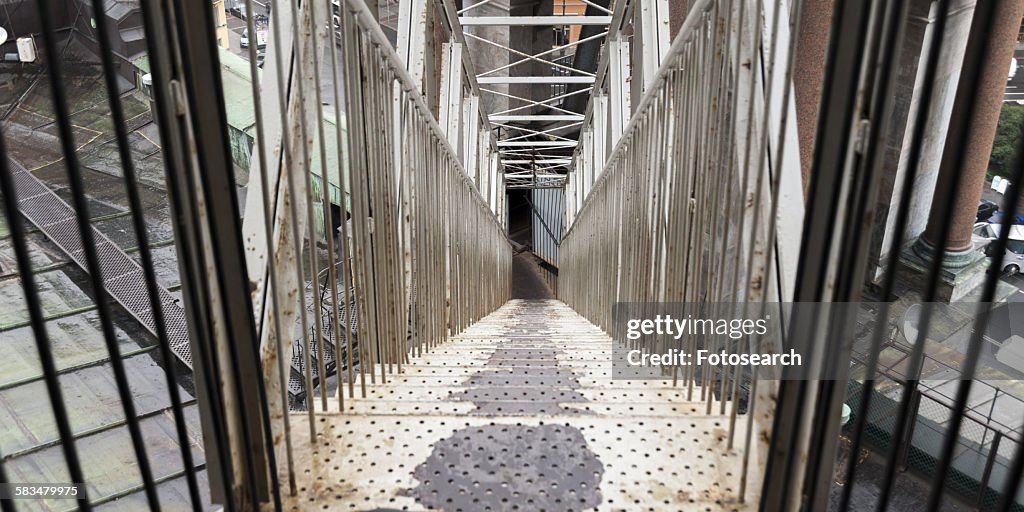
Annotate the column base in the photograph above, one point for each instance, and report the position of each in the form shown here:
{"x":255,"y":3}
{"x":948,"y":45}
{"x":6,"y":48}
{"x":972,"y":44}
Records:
{"x":962,"y":272}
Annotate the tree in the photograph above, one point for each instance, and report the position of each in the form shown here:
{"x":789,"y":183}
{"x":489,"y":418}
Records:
{"x":1008,"y":135}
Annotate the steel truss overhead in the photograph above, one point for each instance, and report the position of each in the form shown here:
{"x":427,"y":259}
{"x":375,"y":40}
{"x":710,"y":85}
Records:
{"x":536,"y":134}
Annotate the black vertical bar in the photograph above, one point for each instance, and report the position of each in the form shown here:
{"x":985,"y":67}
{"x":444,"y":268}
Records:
{"x":906,"y":441}
{"x":993,"y":452}
{"x":976,"y":341}
{"x":838,"y":108}
{"x":902,"y":218}
{"x":162,"y":45}
{"x":953,"y":154}
{"x":205,"y":97}
{"x":35,"y":311}
{"x":5,"y":505}
{"x":142,"y":238}
{"x":880,"y":62}
{"x":981,"y":24}
{"x":80,"y":203}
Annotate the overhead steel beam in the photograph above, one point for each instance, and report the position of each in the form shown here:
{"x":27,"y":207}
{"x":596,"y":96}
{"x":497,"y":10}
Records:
{"x":538,"y":144}
{"x":545,"y":80}
{"x":553,"y":161}
{"x":538,"y":117}
{"x":532,"y":21}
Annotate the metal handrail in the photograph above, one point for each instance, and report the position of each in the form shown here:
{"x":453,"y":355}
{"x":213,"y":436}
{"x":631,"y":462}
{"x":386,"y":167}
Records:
{"x":368,"y":22}
{"x":686,"y":33}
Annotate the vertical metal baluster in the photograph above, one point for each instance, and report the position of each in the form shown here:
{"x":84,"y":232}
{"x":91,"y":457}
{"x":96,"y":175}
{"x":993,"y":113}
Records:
{"x":346,"y":361}
{"x":325,"y":213}
{"x":287,"y":163}
{"x":268,"y":214}
{"x":889,"y":279}
{"x":748,"y":439}
{"x":935,"y":268}
{"x":314,"y":260}
{"x":162,"y":42}
{"x":999,"y":248}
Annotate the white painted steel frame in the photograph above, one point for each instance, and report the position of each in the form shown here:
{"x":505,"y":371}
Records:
{"x":562,"y":119}
{"x":530,"y":21}
{"x":690,"y":177}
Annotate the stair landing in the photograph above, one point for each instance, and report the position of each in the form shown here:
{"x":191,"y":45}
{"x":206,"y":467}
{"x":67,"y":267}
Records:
{"x":519,"y":412}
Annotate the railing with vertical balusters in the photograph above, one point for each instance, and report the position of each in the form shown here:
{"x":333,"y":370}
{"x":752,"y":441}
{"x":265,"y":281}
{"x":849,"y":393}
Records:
{"x":678,"y":209}
{"x":422,"y":254}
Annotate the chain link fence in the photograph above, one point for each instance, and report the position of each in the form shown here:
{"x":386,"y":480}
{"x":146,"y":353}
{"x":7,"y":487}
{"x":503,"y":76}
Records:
{"x":984,"y":448}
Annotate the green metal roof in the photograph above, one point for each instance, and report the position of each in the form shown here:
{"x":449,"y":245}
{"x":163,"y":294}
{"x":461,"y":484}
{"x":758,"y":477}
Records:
{"x":241,"y":114}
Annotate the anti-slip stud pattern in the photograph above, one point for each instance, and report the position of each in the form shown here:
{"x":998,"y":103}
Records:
{"x":519,"y":413}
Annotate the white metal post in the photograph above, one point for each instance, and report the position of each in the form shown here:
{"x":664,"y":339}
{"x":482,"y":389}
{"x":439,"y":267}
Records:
{"x":618,"y":86}
{"x":600,"y":127}
{"x":451,"y":91}
{"x":412,"y":37}
{"x":494,"y":190}
{"x":288,"y":231}
{"x":470,"y":131}
{"x":650,"y":44}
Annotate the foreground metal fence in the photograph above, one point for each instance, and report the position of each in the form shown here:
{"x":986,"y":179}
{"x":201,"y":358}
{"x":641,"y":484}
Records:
{"x":360,"y":208}
{"x":985,"y":450}
{"x":365,"y":245}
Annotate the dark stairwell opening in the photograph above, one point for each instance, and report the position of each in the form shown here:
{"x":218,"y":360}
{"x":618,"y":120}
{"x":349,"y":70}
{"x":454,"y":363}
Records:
{"x":531,"y":277}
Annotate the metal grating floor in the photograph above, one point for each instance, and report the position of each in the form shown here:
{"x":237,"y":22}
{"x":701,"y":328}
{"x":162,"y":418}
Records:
{"x":122,"y":276}
{"x":519,"y":413}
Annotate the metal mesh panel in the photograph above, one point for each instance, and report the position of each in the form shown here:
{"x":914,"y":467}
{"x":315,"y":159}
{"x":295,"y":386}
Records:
{"x":123,"y":278}
{"x":348,"y":316}
{"x":881,"y":424}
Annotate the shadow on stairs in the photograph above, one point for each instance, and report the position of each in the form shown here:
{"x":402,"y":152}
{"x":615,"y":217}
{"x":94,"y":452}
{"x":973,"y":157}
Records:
{"x":519,"y":413}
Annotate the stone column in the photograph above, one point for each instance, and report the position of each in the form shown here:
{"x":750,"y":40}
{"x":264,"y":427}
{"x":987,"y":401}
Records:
{"x":908,"y":101}
{"x":677,"y":11}
{"x":980,"y":124}
{"x":963,"y":267}
{"x":809,"y":73}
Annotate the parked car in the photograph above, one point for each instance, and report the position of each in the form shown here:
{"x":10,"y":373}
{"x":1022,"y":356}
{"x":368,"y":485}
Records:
{"x":1013,"y":260}
{"x":986,"y":209}
{"x":238,"y":11}
{"x":261,"y":38}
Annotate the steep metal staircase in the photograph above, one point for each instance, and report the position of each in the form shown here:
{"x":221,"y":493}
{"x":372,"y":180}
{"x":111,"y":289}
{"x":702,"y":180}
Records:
{"x":521,"y":408}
